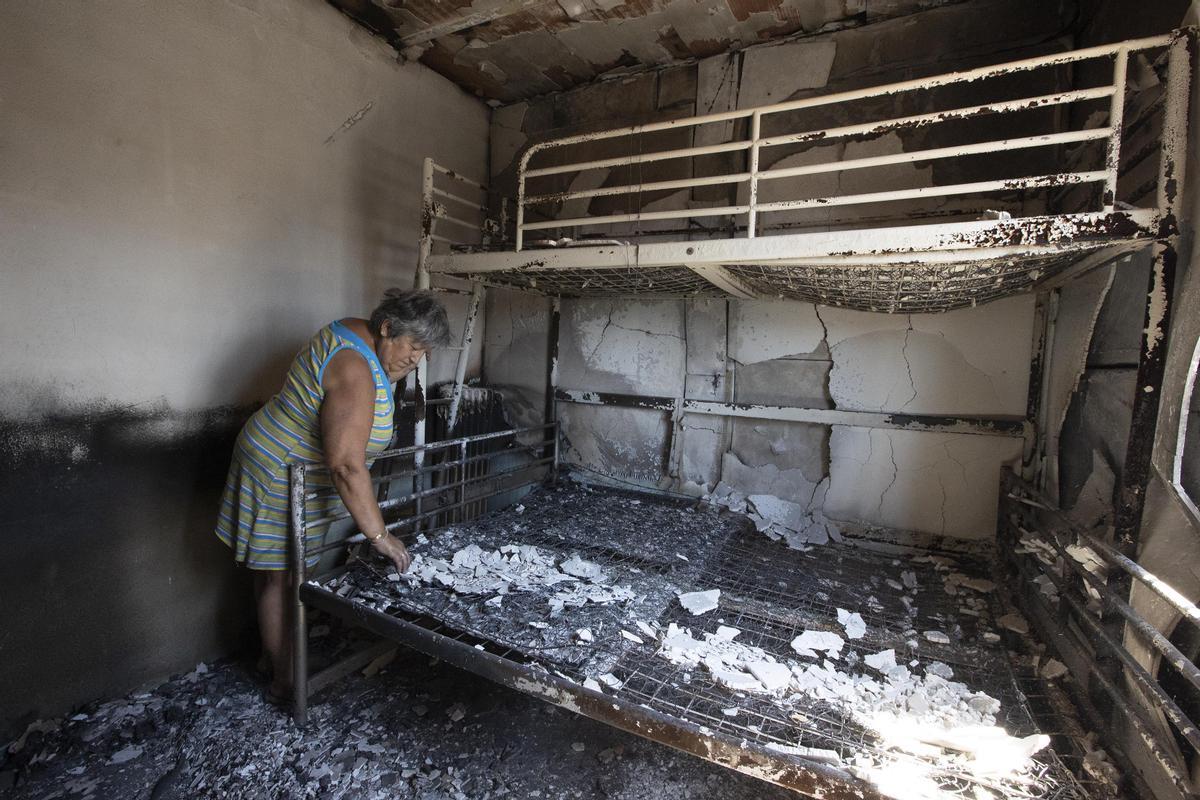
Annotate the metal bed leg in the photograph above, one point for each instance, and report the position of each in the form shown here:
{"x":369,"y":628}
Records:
{"x":551,"y":411}
{"x":296,"y":486}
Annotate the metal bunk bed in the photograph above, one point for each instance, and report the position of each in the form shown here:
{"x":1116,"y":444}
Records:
{"x":1049,"y":228}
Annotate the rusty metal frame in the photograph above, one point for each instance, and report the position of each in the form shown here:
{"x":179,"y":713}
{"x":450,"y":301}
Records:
{"x":1108,"y":696}
{"x":1011,"y":427}
{"x":975,"y":252}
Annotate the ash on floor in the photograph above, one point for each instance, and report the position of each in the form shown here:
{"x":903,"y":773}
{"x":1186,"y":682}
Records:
{"x":414,"y":729}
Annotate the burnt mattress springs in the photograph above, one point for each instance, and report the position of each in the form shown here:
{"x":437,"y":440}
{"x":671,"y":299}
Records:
{"x":887,"y":668}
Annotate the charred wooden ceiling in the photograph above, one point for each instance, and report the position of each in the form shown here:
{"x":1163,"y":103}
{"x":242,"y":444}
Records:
{"x":507,"y":50}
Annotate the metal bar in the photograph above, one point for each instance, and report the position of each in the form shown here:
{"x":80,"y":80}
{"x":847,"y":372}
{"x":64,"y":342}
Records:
{"x":604,"y":191}
{"x":428,"y":222}
{"x":1043,"y":140}
{"x":638,"y":158}
{"x":1013,"y":428}
{"x":520,"y":221}
{"x":1043,"y":423}
{"x":419,"y":495}
{"x":461,"y":222}
{"x":452,"y":175}
{"x":413,"y":520}
{"x":686,"y":213}
{"x":920,"y":120}
{"x":1051,"y":633}
{"x":1135,"y":474}
{"x":1151,"y":581}
{"x":755,"y":136}
{"x":457,"y":199}
{"x":1174,"y":126}
{"x":1008,"y":184}
{"x":966,"y":76}
{"x":296,"y":508}
{"x":464,"y":354}
{"x":331,"y":491}
{"x":810,"y":777}
{"x":1028,"y":236}
{"x":1134,"y":620}
{"x":462,"y":481}
{"x":1116,"y":119}
{"x":724,"y":280}
{"x":1033,"y":397}
{"x":616,"y":399}
{"x":550,"y":411}
{"x":445,"y":443}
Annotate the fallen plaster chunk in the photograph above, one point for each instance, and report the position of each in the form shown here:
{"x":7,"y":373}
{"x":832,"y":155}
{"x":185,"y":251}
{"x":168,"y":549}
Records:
{"x":883,"y":661}
{"x":731,"y":712}
{"x":940,"y":669}
{"x":937,"y":637}
{"x":736,"y":680}
{"x":646,"y":629}
{"x":1053,"y":669}
{"x":126,"y":754}
{"x":773,"y":676}
{"x":909,"y":578}
{"x":631,"y":637}
{"x":611,"y":681}
{"x":591,"y":683}
{"x":582,"y":569}
{"x":727,"y":633}
{"x":852,"y":622}
{"x":584,"y":635}
{"x":809,"y":641}
{"x":1014,"y":622}
{"x":979,"y":584}
{"x":698,"y":603}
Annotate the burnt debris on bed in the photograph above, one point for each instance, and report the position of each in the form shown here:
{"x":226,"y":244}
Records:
{"x":888,"y":667}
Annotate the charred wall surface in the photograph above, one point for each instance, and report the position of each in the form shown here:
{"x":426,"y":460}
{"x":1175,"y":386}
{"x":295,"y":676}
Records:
{"x":187,"y":193}
{"x":970,"y":362}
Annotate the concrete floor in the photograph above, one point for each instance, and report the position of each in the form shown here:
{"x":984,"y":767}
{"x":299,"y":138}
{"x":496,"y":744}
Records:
{"x":415,"y":729}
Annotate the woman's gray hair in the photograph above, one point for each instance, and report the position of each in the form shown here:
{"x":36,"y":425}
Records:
{"x":415,"y":314}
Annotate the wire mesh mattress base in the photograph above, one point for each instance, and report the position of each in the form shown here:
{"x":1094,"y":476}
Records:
{"x":769,"y":593}
{"x":906,"y":288}
{"x":894,"y":288}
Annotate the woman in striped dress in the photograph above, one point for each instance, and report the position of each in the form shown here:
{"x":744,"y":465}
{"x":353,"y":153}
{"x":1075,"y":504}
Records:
{"x":335,"y":408}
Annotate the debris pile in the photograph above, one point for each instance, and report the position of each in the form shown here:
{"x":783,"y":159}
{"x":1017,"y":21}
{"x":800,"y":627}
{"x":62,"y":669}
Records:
{"x":781,"y":520}
{"x":518,"y":568}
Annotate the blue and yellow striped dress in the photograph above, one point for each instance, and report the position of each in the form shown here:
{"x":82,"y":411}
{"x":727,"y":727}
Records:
{"x":253,"y":519}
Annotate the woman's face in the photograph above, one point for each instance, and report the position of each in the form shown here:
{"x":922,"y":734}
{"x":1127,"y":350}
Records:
{"x":399,"y":356}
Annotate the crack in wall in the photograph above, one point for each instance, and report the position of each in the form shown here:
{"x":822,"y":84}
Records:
{"x":908,"y":364}
{"x":895,"y":470}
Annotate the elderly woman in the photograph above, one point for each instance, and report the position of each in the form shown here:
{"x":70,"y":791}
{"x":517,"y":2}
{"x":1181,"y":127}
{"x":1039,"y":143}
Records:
{"x":336,"y":408}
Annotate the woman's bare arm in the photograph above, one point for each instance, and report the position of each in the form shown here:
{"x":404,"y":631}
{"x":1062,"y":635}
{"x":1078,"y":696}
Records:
{"x":347,"y":414}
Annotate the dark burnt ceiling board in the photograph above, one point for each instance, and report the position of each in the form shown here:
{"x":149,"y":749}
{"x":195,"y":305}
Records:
{"x":508,"y":50}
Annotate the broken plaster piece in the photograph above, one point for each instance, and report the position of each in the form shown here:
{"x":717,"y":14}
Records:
{"x":775,"y":677}
{"x":852,"y":622}
{"x":1014,"y":622}
{"x":697,"y":603}
{"x":810,"y":641}
{"x":1053,"y":669}
{"x":883,"y":661}
{"x":937,"y":637}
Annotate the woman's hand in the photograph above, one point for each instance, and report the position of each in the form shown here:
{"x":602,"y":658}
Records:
{"x":394,"y":549}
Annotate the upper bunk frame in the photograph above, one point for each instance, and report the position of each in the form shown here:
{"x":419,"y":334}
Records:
{"x":909,"y":259}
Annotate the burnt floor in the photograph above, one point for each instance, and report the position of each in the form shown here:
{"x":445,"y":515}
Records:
{"x":414,"y":729}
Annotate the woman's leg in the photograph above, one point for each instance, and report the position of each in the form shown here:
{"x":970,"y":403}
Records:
{"x":272,"y":592}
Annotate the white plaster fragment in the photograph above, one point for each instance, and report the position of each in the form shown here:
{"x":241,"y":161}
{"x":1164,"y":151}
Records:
{"x":810,"y":641}
{"x":937,"y":637}
{"x":697,"y":603}
{"x":852,"y":622}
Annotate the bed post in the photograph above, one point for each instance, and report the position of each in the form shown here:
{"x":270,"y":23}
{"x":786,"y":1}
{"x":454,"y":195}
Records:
{"x":550,"y":414}
{"x":464,"y":354}
{"x":296,"y":492}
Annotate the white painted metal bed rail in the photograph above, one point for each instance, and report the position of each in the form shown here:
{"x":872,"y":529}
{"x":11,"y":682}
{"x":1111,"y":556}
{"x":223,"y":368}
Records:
{"x":753,"y":176}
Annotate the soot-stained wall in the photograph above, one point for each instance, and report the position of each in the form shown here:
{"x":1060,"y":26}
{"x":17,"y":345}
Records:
{"x":970,"y":362}
{"x":187,"y":192}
